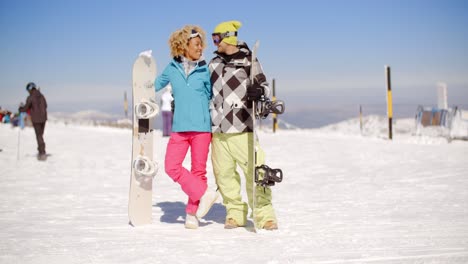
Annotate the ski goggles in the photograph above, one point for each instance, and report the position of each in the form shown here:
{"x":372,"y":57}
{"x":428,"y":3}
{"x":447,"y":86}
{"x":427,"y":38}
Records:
{"x":194,"y":34}
{"x":218,"y":37}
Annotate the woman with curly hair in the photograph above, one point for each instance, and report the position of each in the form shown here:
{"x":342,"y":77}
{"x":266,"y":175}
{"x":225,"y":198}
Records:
{"x":189,"y":77}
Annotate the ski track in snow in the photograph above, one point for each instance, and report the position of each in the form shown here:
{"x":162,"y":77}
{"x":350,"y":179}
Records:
{"x":344,"y":199}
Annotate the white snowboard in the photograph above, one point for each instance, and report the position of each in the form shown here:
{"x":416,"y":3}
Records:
{"x":143,"y":169}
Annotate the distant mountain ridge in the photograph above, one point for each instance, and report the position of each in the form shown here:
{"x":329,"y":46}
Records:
{"x":90,"y":117}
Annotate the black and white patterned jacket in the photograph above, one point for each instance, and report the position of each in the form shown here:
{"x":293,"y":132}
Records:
{"x":230,"y":110}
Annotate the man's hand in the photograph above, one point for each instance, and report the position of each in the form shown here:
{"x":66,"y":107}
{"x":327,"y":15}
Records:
{"x":254,"y":92}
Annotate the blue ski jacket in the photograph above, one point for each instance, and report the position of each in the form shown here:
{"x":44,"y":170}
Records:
{"x":192,"y":95}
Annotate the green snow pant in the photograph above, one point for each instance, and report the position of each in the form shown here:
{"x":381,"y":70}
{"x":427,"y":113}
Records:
{"x":228,"y":151}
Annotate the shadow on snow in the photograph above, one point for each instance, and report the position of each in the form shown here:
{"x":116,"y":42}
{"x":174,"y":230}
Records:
{"x":174,"y":213}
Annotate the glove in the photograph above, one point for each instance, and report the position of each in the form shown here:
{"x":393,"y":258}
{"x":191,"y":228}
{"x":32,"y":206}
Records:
{"x":254,"y":92}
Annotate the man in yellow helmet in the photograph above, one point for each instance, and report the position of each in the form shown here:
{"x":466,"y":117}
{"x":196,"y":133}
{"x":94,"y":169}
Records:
{"x":232,"y":127}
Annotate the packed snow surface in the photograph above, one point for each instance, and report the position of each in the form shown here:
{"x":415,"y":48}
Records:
{"x":347,"y":197}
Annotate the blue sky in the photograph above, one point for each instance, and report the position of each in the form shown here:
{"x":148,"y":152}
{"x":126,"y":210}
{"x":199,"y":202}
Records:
{"x":319,"y":52}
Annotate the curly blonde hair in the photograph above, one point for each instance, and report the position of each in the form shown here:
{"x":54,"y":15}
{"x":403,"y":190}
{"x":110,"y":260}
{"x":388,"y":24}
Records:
{"x":178,"y":41}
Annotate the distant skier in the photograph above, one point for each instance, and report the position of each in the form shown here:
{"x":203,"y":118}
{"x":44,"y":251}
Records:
{"x":232,"y":127}
{"x":37,"y":105}
{"x":166,"y":108}
{"x":189,"y":77}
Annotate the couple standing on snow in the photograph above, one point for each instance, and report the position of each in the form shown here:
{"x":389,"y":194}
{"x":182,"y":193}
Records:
{"x":213,"y":103}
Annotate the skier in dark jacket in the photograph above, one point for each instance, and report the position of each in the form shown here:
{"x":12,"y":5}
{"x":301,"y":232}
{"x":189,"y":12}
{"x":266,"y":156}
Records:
{"x":37,"y":105}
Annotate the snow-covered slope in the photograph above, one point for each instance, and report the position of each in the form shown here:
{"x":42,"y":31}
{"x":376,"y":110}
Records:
{"x":345,"y":198}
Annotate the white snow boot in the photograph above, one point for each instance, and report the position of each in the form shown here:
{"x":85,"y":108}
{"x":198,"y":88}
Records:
{"x":191,"y":221}
{"x":206,"y":201}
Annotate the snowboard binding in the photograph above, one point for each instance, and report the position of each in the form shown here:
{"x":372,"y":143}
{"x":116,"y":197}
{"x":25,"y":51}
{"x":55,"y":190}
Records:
{"x":145,"y":167}
{"x":266,"y":107}
{"x":146,"y":109}
{"x":270,"y":176}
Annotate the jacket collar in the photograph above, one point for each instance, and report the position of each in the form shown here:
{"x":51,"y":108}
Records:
{"x":201,"y":62}
{"x":178,"y":61}
{"x":239,"y":56}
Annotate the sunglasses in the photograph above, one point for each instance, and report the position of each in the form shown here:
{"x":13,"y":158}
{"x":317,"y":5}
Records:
{"x":218,"y":37}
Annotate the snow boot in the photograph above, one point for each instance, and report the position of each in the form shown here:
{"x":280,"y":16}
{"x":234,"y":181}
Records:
{"x":270,"y":225}
{"x":231,"y":224}
{"x":206,"y":201}
{"x":191,"y":221}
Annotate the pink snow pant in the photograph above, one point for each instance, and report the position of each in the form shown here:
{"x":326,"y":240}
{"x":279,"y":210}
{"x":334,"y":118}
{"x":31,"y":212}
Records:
{"x":193,"y":182}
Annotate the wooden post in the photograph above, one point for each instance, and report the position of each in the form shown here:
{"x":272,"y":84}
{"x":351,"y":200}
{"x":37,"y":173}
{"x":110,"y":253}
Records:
{"x":125,"y":104}
{"x":442,"y":96}
{"x":275,"y":121}
{"x":389,"y":102}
